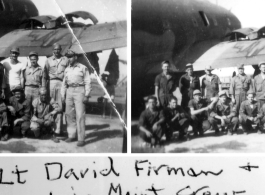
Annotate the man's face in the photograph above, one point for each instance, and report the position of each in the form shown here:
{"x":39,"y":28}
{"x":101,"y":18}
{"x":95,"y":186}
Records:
{"x":151,"y":103}
{"x":173,"y":103}
{"x":165,"y":67}
{"x":262,"y":68}
{"x":72,"y":60}
{"x":190,"y":71}
{"x":241,"y":71}
{"x":33,"y":60}
{"x":208,"y":72}
{"x":18,"y":95}
{"x":250,"y":98}
{"x":197,"y":97}
{"x":42,"y":97}
{"x":223,"y":98}
{"x":57,"y":50}
{"x":14,"y":55}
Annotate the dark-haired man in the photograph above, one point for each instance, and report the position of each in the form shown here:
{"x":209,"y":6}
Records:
{"x":176,"y":119}
{"x":259,"y":85}
{"x":151,"y":123}
{"x":165,"y":85}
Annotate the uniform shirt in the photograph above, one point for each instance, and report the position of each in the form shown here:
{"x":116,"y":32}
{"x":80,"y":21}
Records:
{"x":55,"y":67}
{"x":41,"y":109}
{"x":164,"y":84}
{"x":148,"y":118}
{"x":2,"y":71}
{"x":211,"y":83}
{"x":247,"y":110}
{"x":76,"y":75}
{"x":188,"y":84}
{"x":13,"y":72}
{"x":240,"y":84}
{"x":170,"y":113}
{"x":197,"y":105}
{"x":259,"y":86}
{"x":22,"y":108}
{"x":34,"y":76}
{"x":224,"y":109}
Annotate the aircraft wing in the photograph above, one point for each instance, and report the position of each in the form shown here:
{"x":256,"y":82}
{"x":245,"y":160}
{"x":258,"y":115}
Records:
{"x":230,"y":54}
{"x":92,"y":38}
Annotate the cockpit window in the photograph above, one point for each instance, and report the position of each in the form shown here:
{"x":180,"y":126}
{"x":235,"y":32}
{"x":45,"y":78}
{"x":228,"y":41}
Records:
{"x":204,"y":18}
{"x":228,"y":21}
{"x":2,"y":6}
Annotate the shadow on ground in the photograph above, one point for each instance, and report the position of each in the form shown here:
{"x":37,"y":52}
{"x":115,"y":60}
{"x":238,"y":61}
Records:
{"x":97,"y":127}
{"x":104,"y":134}
{"x":17,"y":147}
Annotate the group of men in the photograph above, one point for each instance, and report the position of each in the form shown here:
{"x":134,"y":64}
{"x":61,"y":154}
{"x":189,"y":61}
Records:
{"x":204,"y":106}
{"x":32,"y":98}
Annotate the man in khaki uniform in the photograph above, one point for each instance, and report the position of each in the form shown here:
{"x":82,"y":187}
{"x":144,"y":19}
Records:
{"x":259,"y":85}
{"x":211,"y":84}
{"x":76,"y":86}
{"x":54,"y":69}
{"x":239,"y":87}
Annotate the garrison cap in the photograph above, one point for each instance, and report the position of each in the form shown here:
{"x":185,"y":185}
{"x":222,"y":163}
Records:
{"x":209,"y":68}
{"x":260,"y":63}
{"x":189,"y":65}
{"x":105,"y":73}
{"x":33,"y":53}
{"x":251,"y":92}
{"x":70,"y":53}
{"x":221,"y":93}
{"x":197,"y":91}
{"x":240,"y":66}
{"x":17,"y":88}
{"x":15,"y":49}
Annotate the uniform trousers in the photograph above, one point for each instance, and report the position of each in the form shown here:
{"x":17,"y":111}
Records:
{"x":75,"y":112}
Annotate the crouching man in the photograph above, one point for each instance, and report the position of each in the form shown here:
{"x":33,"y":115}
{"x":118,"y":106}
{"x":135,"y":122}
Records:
{"x":224,"y":112}
{"x":4,"y":127}
{"x":44,"y":115}
{"x":151,"y":123}
{"x":199,"y":111}
{"x":20,"y":109}
{"x":176,"y":119}
{"x":248,"y":114}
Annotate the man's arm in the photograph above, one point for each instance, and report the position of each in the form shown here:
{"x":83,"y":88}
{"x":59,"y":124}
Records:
{"x":87,"y":82}
{"x":219,"y":84}
{"x":64,"y":87}
{"x":232,"y":90}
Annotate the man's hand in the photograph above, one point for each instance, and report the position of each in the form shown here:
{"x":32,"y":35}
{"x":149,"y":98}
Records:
{"x":3,"y":94}
{"x":158,"y":102}
{"x":224,"y":117}
{"x":154,"y":127}
{"x":233,"y":100}
{"x":12,"y":110}
{"x":251,"y":118}
{"x":17,"y":121}
{"x":53,"y":112}
{"x":148,"y":134}
{"x":222,"y":122}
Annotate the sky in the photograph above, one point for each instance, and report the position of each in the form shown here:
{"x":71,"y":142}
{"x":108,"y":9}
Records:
{"x":249,"y":12}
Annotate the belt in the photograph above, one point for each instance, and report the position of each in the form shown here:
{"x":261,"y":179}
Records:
{"x":76,"y":85}
{"x":56,"y":79}
{"x":33,"y":86}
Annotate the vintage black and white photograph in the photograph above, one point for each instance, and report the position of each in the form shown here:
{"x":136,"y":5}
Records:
{"x":63,"y":76}
{"x":198,"y":70}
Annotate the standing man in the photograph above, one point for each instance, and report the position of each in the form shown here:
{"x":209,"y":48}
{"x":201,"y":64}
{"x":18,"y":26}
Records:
{"x":34,"y":77}
{"x":259,"y":85}
{"x":187,"y":84}
{"x":151,"y":123}
{"x":211,"y":84}
{"x":176,"y":119}
{"x":13,"y":75}
{"x":165,"y":85}
{"x":54,"y":69}
{"x":76,"y":86}
{"x":239,"y":87}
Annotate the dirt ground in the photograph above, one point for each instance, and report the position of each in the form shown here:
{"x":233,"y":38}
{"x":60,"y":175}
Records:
{"x":102,"y":136}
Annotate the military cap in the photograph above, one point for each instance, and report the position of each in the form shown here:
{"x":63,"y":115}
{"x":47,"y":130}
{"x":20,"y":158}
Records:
{"x":105,"y":73}
{"x":240,"y":66}
{"x":70,"y":53}
{"x":221,"y":93}
{"x":209,"y":68}
{"x":33,"y":53}
{"x":15,"y":49}
{"x":17,"y":88}
{"x":251,"y":92}
{"x":197,"y":91}
{"x":189,"y":65}
{"x":260,"y":63}
{"x":165,"y":62}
